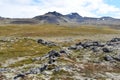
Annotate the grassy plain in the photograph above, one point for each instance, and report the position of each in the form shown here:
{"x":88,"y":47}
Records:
{"x":53,"y":30}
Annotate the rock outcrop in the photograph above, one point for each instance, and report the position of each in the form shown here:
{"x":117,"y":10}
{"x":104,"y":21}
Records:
{"x":82,"y":60}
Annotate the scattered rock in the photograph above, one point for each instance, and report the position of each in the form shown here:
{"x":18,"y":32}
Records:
{"x":63,"y":51}
{"x":108,"y":58}
{"x":53,"y":54}
{"x":51,"y":63}
{"x":46,"y":43}
{"x":106,"y":50}
{"x":73,"y":47}
{"x":89,"y":44}
{"x":95,"y":49}
{"x":19,"y":76}
{"x":4,"y":70}
{"x":115,"y":40}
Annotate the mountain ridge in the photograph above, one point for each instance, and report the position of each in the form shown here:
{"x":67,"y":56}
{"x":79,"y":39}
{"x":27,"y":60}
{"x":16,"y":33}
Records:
{"x":58,"y":18}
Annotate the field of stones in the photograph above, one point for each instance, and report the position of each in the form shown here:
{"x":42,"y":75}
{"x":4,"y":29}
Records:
{"x":54,"y":52}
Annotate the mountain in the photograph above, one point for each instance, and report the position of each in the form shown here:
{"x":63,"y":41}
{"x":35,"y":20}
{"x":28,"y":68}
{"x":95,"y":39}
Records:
{"x":73,"y":16}
{"x":76,"y":19}
{"x":58,"y":18}
{"x":51,"y":17}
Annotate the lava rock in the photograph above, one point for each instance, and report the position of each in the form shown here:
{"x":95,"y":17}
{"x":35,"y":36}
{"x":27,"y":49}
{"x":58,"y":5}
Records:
{"x":115,"y":40}
{"x":95,"y":49}
{"x":106,"y":50}
{"x":73,"y":47}
{"x":89,"y":44}
{"x":62,"y":51}
{"x":108,"y":58}
{"x":37,"y":70}
{"x":53,"y":54}
{"x":46,"y":43}
{"x":78,"y":44}
{"x":41,"y":41}
{"x":43,"y":68}
{"x":34,"y":71}
{"x":19,"y":76}
{"x":51,"y":61}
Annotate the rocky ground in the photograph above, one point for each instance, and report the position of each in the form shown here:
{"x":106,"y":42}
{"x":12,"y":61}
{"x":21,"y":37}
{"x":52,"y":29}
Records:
{"x":39,"y":59}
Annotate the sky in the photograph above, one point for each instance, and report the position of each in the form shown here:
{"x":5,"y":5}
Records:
{"x":31,"y":8}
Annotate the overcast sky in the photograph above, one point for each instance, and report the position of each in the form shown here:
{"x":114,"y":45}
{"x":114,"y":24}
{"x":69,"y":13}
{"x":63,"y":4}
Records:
{"x":31,"y":8}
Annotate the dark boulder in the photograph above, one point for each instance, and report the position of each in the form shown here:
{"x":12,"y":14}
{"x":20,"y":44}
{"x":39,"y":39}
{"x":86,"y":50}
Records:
{"x":86,"y":45}
{"x":41,"y":41}
{"x":89,"y":44}
{"x":53,"y":54}
{"x":78,"y":44}
{"x":95,"y":43}
{"x":108,"y":58}
{"x":19,"y":76}
{"x":51,"y":61}
{"x":46,"y":43}
{"x":43,"y":68}
{"x":63,"y":51}
{"x":106,"y":50}
{"x":115,"y":40}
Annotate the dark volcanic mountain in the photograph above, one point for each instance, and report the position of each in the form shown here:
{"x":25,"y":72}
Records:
{"x":57,"y":18}
{"x":51,"y":17}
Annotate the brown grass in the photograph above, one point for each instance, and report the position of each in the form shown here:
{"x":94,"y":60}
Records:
{"x":53,"y":30}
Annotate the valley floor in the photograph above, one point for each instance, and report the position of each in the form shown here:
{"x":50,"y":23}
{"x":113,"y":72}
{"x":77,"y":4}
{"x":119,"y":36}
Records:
{"x":50,"y":52}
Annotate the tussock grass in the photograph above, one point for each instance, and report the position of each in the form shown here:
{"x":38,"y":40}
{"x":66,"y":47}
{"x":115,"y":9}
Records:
{"x":22,"y":48}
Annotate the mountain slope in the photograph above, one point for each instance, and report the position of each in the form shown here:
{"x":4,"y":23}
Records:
{"x":58,"y":18}
{"x":75,"y":18}
{"x":51,"y":17}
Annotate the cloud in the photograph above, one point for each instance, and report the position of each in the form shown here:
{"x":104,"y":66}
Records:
{"x":18,"y":8}
{"x":31,"y":8}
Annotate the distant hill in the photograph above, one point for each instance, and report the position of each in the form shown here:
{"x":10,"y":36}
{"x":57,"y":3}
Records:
{"x":51,"y":17}
{"x":60,"y":19}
